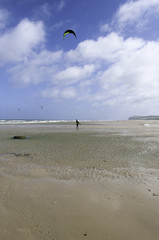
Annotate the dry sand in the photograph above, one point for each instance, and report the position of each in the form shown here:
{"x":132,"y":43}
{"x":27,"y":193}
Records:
{"x":95,"y":183}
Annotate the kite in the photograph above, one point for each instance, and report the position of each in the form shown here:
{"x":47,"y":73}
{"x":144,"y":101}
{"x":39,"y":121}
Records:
{"x":68,"y":32}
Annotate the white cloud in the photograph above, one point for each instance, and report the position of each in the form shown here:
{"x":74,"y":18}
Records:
{"x":74,"y":74}
{"x":37,"y":68}
{"x":137,"y":12}
{"x":128,"y":70}
{"x":134,"y":77}
{"x":19,"y":43}
{"x":68,"y":92}
{"x":104,"y":48}
{"x":50,"y":93}
{"x":105,"y":28}
{"x":60,"y":5}
{"x":45,"y":9}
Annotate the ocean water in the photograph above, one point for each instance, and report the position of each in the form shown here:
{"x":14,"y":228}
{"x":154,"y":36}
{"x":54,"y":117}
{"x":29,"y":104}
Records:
{"x":31,"y":121}
{"x":47,"y":122}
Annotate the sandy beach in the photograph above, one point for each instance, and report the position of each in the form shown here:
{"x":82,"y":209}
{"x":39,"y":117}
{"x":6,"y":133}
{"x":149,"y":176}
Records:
{"x":95,"y":183}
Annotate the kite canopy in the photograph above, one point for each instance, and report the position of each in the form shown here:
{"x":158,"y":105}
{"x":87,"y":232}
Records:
{"x":68,"y":32}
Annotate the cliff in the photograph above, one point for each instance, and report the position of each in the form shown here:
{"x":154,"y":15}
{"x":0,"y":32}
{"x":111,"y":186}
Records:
{"x":144,"y":117}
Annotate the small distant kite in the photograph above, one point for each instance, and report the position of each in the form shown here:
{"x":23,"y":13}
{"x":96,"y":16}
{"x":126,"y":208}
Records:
{"x":68,"y":32}
{"x":18,"y":109}
{"x":41,"y":107}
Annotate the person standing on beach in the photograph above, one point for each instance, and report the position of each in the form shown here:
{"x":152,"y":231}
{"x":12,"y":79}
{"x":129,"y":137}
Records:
{"x":77,"y":123}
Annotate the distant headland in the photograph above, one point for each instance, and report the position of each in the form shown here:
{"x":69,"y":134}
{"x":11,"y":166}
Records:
{"x":144,"y":117}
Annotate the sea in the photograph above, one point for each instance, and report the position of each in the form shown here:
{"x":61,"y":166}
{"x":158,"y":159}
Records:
{"x":32,"y":121}
{"x":37,"y":121}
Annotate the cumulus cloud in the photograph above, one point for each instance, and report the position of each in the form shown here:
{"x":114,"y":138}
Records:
{"x":104,"y":48}
{"x":39,"y":67}
{"x":18,"y":43}
{"x":134,"y":78}
{"x":74,"y":74}
{"x":137,"y":12}
{"x":130,"y":73}
{"x":124,"y":72}
{"x":69,"y":92}
{"x":108,"y":48}
{"x":65,"y":93}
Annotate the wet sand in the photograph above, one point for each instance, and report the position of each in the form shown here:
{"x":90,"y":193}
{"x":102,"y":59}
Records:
{"x":98,"y":182}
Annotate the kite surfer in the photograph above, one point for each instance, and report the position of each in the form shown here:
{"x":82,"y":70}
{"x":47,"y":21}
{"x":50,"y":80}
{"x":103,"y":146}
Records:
{"x":77,"y":123}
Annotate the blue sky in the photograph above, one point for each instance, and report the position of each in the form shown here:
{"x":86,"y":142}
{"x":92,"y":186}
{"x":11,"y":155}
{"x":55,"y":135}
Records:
{"x":110,"y":71}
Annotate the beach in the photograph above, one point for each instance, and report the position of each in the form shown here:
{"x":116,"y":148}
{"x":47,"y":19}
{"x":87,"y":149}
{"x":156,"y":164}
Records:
{"x":98,"y":182}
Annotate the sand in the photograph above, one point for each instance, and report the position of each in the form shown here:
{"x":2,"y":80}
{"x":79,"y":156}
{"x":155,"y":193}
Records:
{"x":98,"y":182}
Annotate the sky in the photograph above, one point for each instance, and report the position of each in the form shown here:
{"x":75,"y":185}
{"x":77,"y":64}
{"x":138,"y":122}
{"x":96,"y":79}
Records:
{"x":109,"y":72}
